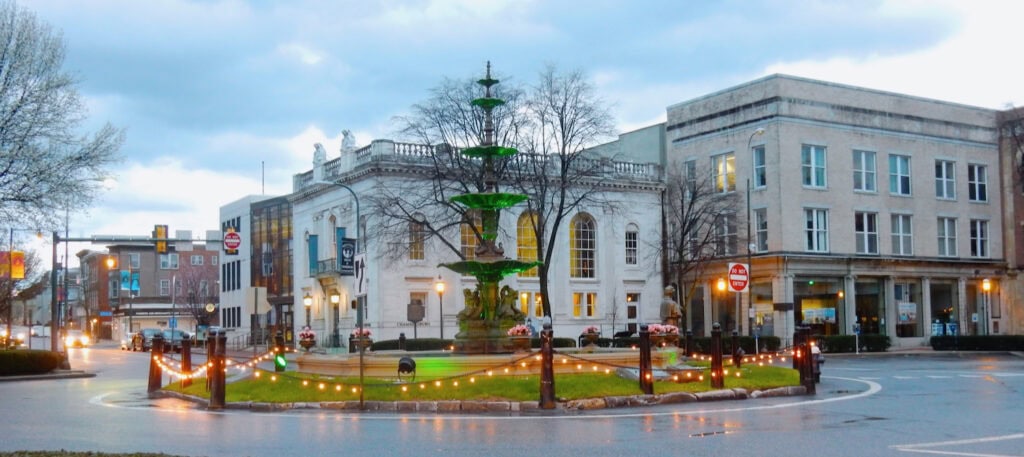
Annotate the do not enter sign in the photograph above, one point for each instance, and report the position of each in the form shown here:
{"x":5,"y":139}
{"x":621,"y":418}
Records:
{"x":739,"y":277}
{"x":232,"y":240}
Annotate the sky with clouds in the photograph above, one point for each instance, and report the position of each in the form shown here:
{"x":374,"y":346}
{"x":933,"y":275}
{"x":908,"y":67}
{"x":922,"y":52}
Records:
{"x":226,"y":98}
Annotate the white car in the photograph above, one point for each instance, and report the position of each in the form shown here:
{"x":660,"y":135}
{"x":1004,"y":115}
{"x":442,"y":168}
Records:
{"x":76,"y":339}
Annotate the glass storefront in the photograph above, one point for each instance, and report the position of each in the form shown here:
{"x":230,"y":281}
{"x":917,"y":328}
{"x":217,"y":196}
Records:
{"x":870,"y":306}
{"x":816,"y":302}
{"x":763,"y":316}
{"x":908,"y":308}
{"x":943,"y":306}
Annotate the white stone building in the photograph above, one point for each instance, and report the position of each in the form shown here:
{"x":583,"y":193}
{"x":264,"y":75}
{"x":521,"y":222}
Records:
{"x":623,"y":290}
{"x":868,"y":207}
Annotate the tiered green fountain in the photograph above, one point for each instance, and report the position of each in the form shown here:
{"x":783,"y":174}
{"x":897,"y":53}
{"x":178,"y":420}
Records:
{"x":488,"y":314}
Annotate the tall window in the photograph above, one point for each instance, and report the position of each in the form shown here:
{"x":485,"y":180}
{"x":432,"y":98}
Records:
{"x":979,"y":238}
{"x":864,"y":170}
{"x":691,"y":178}
{"x":468,"y":236}
{"x":761,"y":227}
{"x":723,"y":172}
{"x":760,"y":168}
{"x":725,"y":234}
{"x":196,"y":259}
{"x":631,"y":244}
{"x":582,"y":246}
{"x":977,"y":183}
{"x":135,"y":260}
{"x":526,"y":237}
{"x":165,"y":287}
{"x":816,"y":229}
{"x":584,"y":304}
{"x":945,"y":179}
{"x":902,"y":235}
{"x":947,"y":236}
{"x":417,"y":235}
{"x":899,"y":175}
{"x":812,"y":161}
{"x":866,"y":231}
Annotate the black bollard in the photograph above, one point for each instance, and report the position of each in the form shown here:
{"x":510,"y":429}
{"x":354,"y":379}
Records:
{"x":547,"y":368}
{"x":217,"y":376}
{"x":646,"y":374}
{"x":689,"y":349}
{"x":717,"y":374}
{"x":401,"y":341}
{"x":807,"y":367}
{"x":211,"y":348}
{"x":797,"y":335}
{"x":737,"y":351}
{"x":156,"y":355}
{"x":186,"y":362}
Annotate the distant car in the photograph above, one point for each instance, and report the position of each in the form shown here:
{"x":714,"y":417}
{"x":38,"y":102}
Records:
{"x":142,"y":340}
{"x":173,"y":339}
{"x":76,"y":339}
{"x":17,"y":338}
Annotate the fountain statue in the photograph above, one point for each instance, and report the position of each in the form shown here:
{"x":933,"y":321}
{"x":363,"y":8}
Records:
{"x":488,"y":313}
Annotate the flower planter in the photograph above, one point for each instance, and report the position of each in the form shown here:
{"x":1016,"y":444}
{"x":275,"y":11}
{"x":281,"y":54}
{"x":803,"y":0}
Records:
{"x":520,"y":343}
{"x":664,"y":339}
{"x":306,"y":344}
{"x":590,"y":339}
{"x":362,"y":343}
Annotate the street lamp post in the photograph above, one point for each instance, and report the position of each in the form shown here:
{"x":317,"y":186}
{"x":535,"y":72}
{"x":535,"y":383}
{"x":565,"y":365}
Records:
{"x":307,"y":302}
{"x":336,"y":331}
{"x":986,"y":288}
{"x":721,"y":287}
{"x":751,"y":245}
{"x":440,"y":301}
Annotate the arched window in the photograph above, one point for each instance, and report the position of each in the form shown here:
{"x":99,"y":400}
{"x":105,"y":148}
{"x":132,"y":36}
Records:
{"x":468,"y":235}
{"x":582,"y":246}
{"x":526,"y":237}
{"x":417,"y":235}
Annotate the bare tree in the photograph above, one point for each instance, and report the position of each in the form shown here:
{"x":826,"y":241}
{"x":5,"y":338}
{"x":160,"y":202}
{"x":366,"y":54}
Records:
{"x":198,"y":287}
{"x":449,"y":122}
{"x":45,"y":164}
{"x":557,"y":172}
{"x":693,"y":212}
{"x":1012,"y":130}
{"x":552,"y":124}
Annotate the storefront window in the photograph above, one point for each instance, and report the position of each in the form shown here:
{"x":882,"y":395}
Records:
{"x":870,"y":306}
{"x":763,"y":316}
{"x":908,"y":309}
{"x":817,"y":304}
{"x":944,"y":305}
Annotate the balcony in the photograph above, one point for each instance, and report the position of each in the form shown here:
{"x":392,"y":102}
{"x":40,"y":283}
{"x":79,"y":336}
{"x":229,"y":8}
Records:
{"x":326,"y":267}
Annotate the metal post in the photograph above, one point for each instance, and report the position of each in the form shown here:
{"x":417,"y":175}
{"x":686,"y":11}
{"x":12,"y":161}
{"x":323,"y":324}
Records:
{"x":362,"y":350}
{"x":689,"y":343}
{"x":717,"y":373}
{"x":547,"y":370}
{"x":750,"y":241}
{"x":217,"y":388}
{"x":186,"y":362}
{"x":156,"y":353}
{"x":646,"y":374}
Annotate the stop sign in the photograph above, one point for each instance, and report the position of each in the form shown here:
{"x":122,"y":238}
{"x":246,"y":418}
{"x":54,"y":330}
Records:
{"x":232,"y":240}
{"x":739,"y":277}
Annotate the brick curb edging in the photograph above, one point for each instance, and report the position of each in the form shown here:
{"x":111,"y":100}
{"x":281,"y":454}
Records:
{"x":476,"y":407}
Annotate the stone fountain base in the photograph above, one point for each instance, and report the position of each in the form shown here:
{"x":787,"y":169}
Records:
{"x":484,"y":337}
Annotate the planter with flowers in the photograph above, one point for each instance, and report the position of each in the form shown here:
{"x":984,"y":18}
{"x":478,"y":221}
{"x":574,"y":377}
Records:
{"x":307,"y":338}
{"x":361,"y":339}
{"x":590,"y":335}
{"x":663,"y":335}
{"x":520,"y":336}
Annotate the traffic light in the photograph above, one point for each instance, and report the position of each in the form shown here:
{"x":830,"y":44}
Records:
{"x":280,"y":363}
{"x":160,"y":233}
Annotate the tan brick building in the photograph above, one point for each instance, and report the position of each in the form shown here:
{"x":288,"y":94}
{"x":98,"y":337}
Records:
{"x":868,"y":208}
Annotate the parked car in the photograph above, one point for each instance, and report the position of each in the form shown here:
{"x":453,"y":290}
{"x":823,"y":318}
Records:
{"x":142,"y":340}
{"x":173,"y":339}
{"x":76,"y":339}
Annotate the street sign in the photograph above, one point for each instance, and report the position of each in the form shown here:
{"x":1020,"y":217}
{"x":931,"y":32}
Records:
{"x":739,"y":277}
{"x":359,"y":267}
{"x":232,"y":240}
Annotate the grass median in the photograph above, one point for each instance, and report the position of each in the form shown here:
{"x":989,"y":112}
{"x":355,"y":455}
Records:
{"x":288,"y":387}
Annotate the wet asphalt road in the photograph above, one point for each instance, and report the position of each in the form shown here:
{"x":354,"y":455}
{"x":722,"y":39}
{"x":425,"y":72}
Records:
{"x":947,"y":404}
